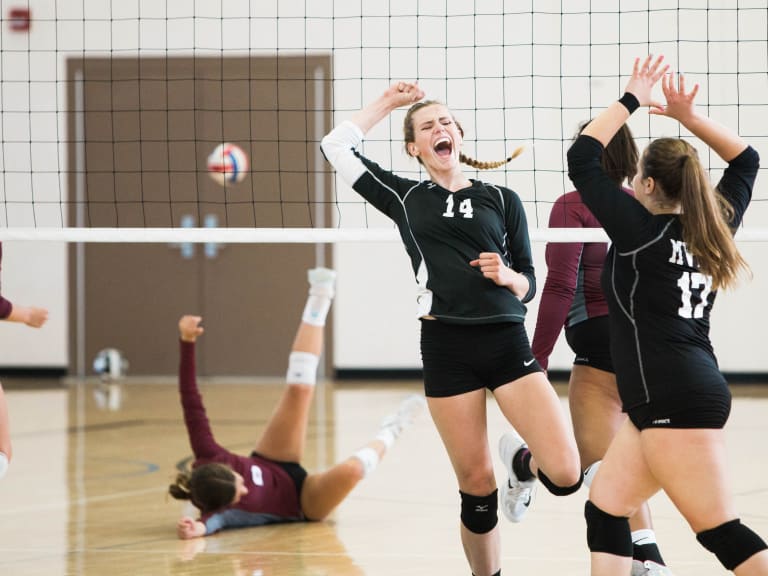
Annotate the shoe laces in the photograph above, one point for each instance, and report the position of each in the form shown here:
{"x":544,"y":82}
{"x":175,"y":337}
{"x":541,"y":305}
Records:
{"x":517,"y":492}
{"x":654,"y":569}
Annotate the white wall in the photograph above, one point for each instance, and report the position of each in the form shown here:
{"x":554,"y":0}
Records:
{"x":376,"y":326}
{"x":514,"y":73}
{"x":35,"y":274}
{"x":375,"y":308}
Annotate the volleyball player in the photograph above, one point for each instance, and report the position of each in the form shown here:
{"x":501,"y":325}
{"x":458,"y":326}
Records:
{"x":470,"y":252}
{"x":573,"y":299}
{"x":269,"y":485}
{"x":672,"y":247}
{"x":31,"y":316}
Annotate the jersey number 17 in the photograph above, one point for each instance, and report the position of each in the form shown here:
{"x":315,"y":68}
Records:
{"x":695,"y":288}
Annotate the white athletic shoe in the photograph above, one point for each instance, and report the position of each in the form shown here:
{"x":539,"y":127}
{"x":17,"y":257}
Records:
{"x":516,"y":495}
{"x":649,"y":568}
{"x":322,"y":281}
{"x":406,"y":414}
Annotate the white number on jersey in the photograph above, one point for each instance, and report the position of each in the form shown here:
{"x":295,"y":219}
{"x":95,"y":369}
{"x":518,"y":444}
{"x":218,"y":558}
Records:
{"x":448,"y":206}
{"x":256,"y":475}
{"x":465,"y":207}
{"x":690,"y":283}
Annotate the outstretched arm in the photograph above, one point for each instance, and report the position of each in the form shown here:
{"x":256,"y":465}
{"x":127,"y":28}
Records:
{"x":619,"y":214}
{"x":340,"y":146}
{"x":398,"y":94}
{"x":559,"y":289}
{"x":198,"y":428}
{"x":29,"y":315}
{"x":640,"y":85}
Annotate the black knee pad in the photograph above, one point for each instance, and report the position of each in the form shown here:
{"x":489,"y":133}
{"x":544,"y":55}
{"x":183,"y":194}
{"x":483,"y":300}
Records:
{"x":479,"y":513}
{"x":560,"y":490}
{"x":607,"y":533}
{"x":732,"y":543}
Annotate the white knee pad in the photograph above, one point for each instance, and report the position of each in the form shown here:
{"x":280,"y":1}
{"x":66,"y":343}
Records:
{"x":302,"y":368}
{"x":3,"y":464}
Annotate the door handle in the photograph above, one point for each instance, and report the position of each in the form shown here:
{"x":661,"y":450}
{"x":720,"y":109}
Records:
{"x":187,"y":249}
{"x":211,"y":249}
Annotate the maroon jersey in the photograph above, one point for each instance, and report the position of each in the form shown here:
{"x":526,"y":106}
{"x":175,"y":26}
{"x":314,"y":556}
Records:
{"x":572,"y":291}
{"x":272,"y":495}
{"x":5,"y":305}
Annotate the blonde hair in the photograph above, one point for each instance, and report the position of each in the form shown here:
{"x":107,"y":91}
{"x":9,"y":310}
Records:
{"x":705,"y":215}
{"x":409,"y":136}
{"x":488,"y":165}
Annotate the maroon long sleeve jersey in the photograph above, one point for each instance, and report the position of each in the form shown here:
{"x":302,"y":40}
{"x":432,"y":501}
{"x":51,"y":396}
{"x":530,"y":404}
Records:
{"x":272,"y":494}
{"x":572,"y":291}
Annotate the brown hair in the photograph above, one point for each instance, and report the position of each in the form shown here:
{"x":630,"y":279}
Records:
{"x":209,"y":487}
{"x":409,"y":136}
{"x":705,"y":215}
{"x":620,"y":156}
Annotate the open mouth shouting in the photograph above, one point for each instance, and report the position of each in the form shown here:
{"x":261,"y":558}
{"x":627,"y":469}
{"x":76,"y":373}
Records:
{"x":443,"y":147}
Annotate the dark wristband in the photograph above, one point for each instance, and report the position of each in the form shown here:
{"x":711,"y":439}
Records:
{"x":629,"y":102}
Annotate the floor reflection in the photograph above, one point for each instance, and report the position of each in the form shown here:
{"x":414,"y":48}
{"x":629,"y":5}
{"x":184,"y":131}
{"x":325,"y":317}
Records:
{"x":86,"y":490}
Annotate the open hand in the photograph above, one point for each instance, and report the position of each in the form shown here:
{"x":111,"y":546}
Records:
{"x":679,"y":104}
{"x":644,"y":78}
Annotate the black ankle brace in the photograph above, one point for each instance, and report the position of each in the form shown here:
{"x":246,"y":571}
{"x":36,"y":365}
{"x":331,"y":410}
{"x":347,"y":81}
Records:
{"x":521,"y":465}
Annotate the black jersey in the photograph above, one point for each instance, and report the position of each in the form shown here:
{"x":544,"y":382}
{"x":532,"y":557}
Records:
{"x":659,"y":301}
{"x":442,"y":232}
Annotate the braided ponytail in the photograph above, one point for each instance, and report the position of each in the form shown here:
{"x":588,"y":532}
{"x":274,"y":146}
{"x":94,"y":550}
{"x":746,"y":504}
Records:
{"x":409,"y":136}
{"x":488,"y":165}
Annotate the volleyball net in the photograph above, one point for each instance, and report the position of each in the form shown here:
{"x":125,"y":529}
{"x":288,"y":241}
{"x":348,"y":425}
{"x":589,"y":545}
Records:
{"x":111,"y":112}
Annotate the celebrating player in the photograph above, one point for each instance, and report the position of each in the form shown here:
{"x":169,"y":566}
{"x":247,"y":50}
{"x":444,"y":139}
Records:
{"x":470,"y":252}
{"x":672,"y":248}
{"x":573,"y":299}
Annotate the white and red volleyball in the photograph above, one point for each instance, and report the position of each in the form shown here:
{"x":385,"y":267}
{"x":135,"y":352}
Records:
{"x":228,"y":164}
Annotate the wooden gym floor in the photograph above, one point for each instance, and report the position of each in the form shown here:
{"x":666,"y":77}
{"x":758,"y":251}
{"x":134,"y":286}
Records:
{"x":86,"y":492}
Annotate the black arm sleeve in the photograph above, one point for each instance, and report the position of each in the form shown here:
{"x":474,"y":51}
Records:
{"x":622,"y":217}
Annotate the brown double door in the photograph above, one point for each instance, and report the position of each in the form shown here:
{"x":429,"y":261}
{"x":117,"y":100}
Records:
{"x":140,"y":132}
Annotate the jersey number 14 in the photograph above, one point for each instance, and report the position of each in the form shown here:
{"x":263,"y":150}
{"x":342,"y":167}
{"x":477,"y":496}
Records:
{"x":465,"y":207}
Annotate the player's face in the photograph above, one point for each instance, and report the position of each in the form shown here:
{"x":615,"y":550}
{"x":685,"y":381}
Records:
{"x":240,"y":488}
{"x":639,"y":185}
{"x":437,"y":138}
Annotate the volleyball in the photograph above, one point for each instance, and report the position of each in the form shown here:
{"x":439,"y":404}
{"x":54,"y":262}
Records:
{"x":227,"y":164}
